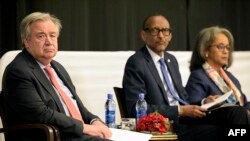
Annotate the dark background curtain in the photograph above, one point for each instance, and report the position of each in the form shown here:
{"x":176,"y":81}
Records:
{"x":114,"y":25}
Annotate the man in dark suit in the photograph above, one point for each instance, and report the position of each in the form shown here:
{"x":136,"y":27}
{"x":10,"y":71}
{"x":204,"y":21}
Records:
{"x":143,"y":74}
{"x":30,"y":97}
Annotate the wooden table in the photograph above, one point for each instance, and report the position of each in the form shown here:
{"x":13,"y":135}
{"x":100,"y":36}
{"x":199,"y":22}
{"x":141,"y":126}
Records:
{"x":164,"y":137}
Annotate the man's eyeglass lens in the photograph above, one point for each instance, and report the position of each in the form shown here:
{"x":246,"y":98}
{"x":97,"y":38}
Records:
{"x":156,"y":31}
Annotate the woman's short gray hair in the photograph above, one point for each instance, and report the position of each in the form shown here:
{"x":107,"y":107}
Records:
{"x":203,"y":43}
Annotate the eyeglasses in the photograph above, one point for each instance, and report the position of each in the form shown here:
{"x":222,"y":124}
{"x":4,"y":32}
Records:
{"x":222,"y":47}
{"x":156,"y":31}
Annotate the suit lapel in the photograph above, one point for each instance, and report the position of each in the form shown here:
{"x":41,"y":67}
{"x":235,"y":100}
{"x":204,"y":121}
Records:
{"x":43,"y":80}
{"x":39,"y":74}
{"x":41,"y":77}
{"x":152,"y":68}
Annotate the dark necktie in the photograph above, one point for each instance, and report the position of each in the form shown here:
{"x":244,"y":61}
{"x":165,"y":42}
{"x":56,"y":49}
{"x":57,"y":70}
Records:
{"x":169,"y":85}
{"x":70,"y":105}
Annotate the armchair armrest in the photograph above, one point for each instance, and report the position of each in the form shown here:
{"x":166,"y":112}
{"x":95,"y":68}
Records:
{"x":52,"y":134}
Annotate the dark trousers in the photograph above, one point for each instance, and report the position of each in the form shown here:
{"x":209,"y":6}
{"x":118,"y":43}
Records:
{"x":215,"y":125}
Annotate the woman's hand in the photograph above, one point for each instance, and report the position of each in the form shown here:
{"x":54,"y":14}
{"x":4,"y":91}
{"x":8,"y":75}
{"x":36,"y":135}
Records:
{"x":211,"y":98}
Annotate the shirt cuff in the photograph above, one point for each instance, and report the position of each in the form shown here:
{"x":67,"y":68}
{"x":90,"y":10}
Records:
{"x":96,"y":119}
{"x":202,"y":101}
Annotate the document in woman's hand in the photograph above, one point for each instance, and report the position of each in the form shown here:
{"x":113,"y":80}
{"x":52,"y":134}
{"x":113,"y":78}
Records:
{"x":218,"y":102}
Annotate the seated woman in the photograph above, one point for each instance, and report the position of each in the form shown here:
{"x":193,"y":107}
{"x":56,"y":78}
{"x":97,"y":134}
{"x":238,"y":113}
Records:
{"x":209,"y":78}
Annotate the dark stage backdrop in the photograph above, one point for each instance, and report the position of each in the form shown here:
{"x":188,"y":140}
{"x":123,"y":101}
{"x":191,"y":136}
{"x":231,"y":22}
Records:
{"x":114,"y":25}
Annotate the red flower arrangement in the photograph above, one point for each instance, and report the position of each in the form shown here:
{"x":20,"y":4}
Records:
{"x":154,"y":122}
